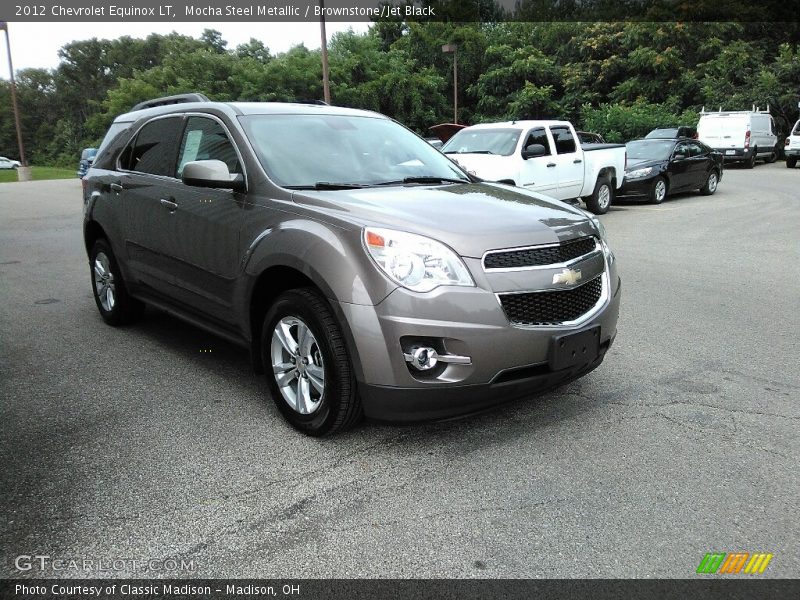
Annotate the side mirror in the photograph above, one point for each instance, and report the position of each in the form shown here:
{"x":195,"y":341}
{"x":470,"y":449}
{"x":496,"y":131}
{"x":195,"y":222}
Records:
{"x":532,"y":151}
{"x":211,"y":174}
{"x":678,"y":156}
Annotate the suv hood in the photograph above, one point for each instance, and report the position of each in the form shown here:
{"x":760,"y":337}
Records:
{"x":470,"y":218}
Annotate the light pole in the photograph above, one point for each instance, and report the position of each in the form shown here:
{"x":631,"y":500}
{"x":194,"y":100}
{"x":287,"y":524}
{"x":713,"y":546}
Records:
{"x":447,"y":49}
{"x":23,"y":172}
{"x":326,"y":85}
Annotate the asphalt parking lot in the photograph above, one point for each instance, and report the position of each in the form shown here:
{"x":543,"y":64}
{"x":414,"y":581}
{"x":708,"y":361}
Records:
{"x":157,"y":441}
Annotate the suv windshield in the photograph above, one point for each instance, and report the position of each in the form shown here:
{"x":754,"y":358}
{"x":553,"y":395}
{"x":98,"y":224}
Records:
{"x":649,"y":149}
{"x":326,"y":151}
{"x":483,"y":141}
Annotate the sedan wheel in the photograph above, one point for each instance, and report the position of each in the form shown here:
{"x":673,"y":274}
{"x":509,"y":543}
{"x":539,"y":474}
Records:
{"x":659,"y":191}
{"x":711,"y":184}
{"x":104,"y":282}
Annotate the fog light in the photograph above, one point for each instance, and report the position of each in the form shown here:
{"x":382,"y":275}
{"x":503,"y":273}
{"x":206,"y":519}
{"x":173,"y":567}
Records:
{"x":424,"y":358}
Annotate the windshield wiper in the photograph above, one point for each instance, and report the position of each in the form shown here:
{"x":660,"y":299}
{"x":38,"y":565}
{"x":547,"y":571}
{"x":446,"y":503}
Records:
{"x":432,"y":179}
{"x":327,"y":185}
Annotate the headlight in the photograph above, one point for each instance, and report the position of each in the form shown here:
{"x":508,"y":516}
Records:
{"x":414,"y":261}
{"x":638,"y":173}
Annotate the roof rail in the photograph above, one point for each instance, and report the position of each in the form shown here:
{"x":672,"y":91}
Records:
{"x":755,"y":109}
{"x":166,"y":100}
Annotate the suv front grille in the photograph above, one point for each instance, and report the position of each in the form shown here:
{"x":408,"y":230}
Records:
{"x":539,"y":256}
{"x":552,"y":307}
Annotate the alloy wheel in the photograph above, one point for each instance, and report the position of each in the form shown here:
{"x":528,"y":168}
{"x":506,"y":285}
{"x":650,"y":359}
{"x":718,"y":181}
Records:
{"x":297,"y":365}
{"x":104,"y":282}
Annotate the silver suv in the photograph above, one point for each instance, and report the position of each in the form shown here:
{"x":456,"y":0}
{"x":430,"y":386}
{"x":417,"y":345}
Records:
{"x":365,"y":271}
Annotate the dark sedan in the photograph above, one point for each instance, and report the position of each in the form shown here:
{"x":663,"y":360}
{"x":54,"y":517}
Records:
{"x":658,"y":167}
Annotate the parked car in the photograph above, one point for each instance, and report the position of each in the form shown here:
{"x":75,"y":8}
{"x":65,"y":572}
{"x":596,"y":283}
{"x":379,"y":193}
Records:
{"x":541,"y":156}
{"x":741,"y":136}
{"x":792,"y":147}
{"x":681,"y":131}
{"x":659,"y":167}
{"x":87,"y":157}
{"x":7,"y":163}
{"x":365,"y":271}
{"x":587,"y":137}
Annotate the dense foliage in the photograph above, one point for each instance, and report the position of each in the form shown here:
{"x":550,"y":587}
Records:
{"x":619,"y":79}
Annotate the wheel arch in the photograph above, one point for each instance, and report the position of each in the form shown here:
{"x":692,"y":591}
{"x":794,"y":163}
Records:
{"x":92,"y":231}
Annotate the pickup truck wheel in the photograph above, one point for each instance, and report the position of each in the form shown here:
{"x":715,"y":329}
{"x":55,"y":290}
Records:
{"x":658,"y":191}
{"x":791,"y":161}
{"x":309,"y":372}
{"x":600,"y":200}
{"x":116,"y":306}
{"x":711,"y":184}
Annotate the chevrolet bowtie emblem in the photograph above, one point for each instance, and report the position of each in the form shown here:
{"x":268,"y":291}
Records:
{"x":568,"y":276}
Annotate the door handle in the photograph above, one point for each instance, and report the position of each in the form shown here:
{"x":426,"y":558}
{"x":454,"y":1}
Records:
{"x":577,"y":161}
{"x":551,"y":165}
{"x":169,"y":205}
{"x":116,"y":187}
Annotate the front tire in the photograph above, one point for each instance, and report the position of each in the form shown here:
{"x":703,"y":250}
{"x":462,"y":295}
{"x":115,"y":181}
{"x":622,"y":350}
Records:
{"x":602,"y":197}
{"x":309,"y":372}
{"x":116,"y":306}
{"x":711,"y":184}
{"x":658,"y":190}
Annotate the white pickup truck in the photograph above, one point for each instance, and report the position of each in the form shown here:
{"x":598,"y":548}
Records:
{"x":542,"y":156}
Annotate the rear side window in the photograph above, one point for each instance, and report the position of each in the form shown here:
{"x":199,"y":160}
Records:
{"x":796,"y":130}
{"x":206,"y":139}
{"x":154,"y":148}
{"x":565,"y":143}
{"x":538,"y":136}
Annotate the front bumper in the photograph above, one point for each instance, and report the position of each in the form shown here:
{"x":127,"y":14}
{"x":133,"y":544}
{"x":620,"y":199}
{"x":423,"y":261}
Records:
{"x":636,"y":188}
{"x":507,"y":362}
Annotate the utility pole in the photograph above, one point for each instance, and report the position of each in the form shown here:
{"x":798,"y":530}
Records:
{"x":326,"y":85}
{"x":447,"y":49}
{"x":23,"y":172}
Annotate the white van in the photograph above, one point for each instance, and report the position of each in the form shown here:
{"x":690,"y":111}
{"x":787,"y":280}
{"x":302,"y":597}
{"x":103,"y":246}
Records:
{"x":792,"y":149}
{"x":742,"y":136}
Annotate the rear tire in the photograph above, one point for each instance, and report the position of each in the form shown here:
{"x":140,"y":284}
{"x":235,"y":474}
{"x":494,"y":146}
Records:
{"x":602,"y":197}
{"x":116,"y":306}
{"x":791,"y":161}
{"x":658,"y":191}
{"x":773,"y":155}
{"x":310,"y":374}
{"x":711,"y":183}
{"x":751,"y":162}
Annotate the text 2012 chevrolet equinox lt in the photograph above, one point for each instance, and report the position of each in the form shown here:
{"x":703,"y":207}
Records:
{"x":365,"y":271}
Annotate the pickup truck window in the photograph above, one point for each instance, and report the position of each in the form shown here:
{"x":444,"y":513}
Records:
{"x":538,"y":136}
{"x":565,"y":142}
{"x":312,"y":150}
{"x":502,"y":142}
{"x":205,"y":139}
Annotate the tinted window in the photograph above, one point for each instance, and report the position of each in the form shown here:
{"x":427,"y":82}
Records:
{"x":205,"y":139}
{"x":565,"y":143}
{"x":682,"y":148}
{"x":696,"y":149}
{"x":154,"y":149}
{"x":538,"y":136}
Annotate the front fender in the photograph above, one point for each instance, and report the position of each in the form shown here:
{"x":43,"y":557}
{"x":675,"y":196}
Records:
{"x":330,"y":256}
